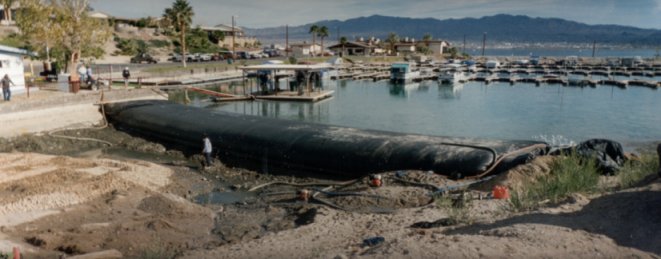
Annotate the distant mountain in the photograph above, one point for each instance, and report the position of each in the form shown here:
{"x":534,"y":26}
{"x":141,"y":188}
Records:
{"x":499,"y":28}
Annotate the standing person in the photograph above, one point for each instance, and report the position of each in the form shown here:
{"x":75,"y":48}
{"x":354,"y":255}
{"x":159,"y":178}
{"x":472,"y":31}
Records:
{"x":88,"y":73}
{"x":6,"y":91}
{"x":126,"y":74}
{"x":207,"y":150}
{"x":82,"y":73}
{"x":658,"y":151}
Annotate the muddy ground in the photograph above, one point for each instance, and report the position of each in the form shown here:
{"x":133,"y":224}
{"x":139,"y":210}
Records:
{"x":65,"y":197}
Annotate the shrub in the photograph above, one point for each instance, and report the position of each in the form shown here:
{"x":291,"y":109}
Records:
{"x":634,"y":171}
{"x":569,"y":174}
{"x":159,"y":43}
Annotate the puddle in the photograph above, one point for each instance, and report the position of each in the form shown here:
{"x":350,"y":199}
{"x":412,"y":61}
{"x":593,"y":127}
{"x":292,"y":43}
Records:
{"x":224,"y":198}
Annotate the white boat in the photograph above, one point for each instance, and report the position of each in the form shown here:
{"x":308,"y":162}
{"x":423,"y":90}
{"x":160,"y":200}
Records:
{"x":403,"y":72}
{"x":452,"y":77}
{"x":492,"y":64}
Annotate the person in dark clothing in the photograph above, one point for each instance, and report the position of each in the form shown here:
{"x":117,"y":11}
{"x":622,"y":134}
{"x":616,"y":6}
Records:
{"x":207,"y":150}
{"x":126,"y":74}
{"x":6,"y":91}
{"x":658,"y":151}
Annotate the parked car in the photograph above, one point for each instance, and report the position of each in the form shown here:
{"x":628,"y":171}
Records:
{"x":203,"y":57}
{"x":143,"y":57}
{"x":225,"y":54}
{"x":193,"y":57}
{"x":175,"y":57}
{"x":242,"y":55}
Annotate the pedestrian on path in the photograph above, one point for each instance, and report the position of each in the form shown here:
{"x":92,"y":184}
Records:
{"x":207,"y":150}
{"x":6,"y":90}
{"x":126,"y":74}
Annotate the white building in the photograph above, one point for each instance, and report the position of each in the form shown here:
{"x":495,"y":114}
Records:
{"x":305,"y":49}
{"x":11,"y":63}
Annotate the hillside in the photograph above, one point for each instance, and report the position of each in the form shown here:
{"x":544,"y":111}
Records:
{"x":499,"y":28}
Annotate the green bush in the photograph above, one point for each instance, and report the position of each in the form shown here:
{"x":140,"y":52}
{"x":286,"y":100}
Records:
{"x":569,"y":174}
{"x":159,"y":43}
{"x":634,"y":171}
{"x":131,"y":46}
{"x":13,"y":40}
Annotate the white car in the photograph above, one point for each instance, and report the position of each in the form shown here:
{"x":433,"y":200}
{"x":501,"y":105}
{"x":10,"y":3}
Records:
{"x":204,"y":57}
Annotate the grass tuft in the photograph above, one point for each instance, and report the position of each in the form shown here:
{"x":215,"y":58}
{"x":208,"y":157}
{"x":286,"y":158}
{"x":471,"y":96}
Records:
{"x":569,"y":174}
{"x":634,"y":171}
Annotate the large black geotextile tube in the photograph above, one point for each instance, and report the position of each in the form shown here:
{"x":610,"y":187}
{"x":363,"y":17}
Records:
{"x":306,"y":147}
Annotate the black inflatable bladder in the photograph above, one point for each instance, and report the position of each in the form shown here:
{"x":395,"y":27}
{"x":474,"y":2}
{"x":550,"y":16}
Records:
{"x":295,"y":146}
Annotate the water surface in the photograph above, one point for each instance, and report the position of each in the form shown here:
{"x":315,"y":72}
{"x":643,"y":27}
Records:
{"x":498,"y":110}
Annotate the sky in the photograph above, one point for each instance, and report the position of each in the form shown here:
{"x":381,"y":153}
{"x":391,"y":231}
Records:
{"x":273,"y":13}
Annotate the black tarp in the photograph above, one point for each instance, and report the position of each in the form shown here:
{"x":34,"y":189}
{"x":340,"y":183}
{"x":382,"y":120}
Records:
{"x":274,"y":145}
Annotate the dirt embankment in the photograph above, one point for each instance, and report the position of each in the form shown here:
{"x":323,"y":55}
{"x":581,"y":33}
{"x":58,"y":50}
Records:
{"x":141,"y":200}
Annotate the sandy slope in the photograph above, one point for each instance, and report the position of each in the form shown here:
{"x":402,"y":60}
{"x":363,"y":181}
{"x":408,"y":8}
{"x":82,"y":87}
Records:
{"x":56,"y":205}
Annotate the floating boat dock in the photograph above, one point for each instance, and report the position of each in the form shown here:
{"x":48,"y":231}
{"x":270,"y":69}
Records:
{"x":537,"y":74}
{"x":305,"y":90}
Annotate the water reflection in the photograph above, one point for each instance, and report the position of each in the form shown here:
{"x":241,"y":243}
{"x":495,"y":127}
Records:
{"x":450,"y":91}
{"x":404,"y":90}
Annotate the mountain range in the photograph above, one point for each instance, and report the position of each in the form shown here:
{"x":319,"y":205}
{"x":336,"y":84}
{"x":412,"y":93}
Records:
{"x":498,"y":28}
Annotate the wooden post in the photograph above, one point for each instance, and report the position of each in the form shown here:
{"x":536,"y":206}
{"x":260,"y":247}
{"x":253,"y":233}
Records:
{"x":110,"y":78}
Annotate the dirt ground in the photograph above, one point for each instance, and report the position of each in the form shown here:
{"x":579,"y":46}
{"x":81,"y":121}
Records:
{"x":63,"y":197}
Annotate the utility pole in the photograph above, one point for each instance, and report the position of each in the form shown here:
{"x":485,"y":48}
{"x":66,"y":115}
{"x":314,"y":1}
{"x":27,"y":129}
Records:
{"x":287,"y":40}
{"x":594,"y":47}
{"x":233,"y":37}
{"x":484,"y":42}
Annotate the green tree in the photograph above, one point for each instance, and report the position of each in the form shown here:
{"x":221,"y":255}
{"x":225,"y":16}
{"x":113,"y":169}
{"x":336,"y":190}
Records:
{"x":63,"y":24}
{"x":392,"y":40}
{"x":343,"y":41}
{"x":313,"y":30}
{"x":217,"y":36}
{"x":6,"y":4}
{"x":453,"y":52}
{"x":322,"y":32}
{"x":180,"y":16}
{"x":427,"y":38}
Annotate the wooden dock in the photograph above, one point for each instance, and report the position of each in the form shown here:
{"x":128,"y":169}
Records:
{"x":294,"y":96}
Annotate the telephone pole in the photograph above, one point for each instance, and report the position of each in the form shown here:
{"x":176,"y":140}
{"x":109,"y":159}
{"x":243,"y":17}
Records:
{"x":233,"y":37}
{"x":484,"y":42}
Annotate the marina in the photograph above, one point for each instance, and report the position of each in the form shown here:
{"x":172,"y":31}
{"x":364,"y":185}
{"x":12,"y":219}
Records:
{"x":497,"y":110}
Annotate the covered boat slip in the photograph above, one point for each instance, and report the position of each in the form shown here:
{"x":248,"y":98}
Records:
{"x":305,"y":77}
{"x":283,"y":146}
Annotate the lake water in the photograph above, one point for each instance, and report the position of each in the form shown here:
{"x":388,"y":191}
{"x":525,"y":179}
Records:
{"x":499,"y":110}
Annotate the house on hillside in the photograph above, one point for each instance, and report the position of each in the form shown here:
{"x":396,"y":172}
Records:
{"x":353,"y":49}
{"x":405,"y":48}
{"x":360,"y":47}
{"x":11,"y":63}
{"x":437,"y":47}
{"x":233,"y":35}
{"x":7,"y":18}
{"x":304,"y":49}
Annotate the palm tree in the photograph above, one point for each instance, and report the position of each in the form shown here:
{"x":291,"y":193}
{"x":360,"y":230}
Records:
{"x":427,"y":38}
{"x":180,"y":16}
{"x":6,"y":4}
{"x":313,"y":30}
{"x":322,"y":32}
{"x":392,"y":40}
{"x":343,"y":41}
